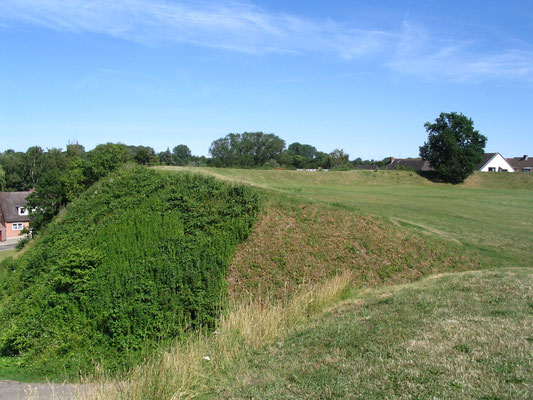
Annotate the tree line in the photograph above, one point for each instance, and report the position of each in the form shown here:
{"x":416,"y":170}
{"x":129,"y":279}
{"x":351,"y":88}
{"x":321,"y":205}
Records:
{"x":59,"y":176}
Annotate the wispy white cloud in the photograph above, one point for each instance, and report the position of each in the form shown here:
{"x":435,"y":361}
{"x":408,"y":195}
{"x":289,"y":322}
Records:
{"x":238,"y":26}
{"x":241,"y":26}
{"x":423,"y":55}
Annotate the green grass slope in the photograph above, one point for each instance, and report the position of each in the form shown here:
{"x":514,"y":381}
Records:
{"x":142,"y":256}
{"x":456,"y":336}
{"x":490,"y":213}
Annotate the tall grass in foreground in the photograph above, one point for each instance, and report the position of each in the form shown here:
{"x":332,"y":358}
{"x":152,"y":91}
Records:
{"x":190,"y":369}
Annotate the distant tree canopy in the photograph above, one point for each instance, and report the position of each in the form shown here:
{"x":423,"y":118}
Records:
{"x":181,"y":155}
{"x":2,"y":179}
{"x":246,"y":150}
{"x":453,"y":147}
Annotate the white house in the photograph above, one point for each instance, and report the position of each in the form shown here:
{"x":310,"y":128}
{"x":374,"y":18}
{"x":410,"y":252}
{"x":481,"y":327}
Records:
{"x":494,"y":162}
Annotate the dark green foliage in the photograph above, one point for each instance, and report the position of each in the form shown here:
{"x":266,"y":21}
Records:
{"x":303,"y":156}
{"x":454,"y":147}
{"x":247,"y":150}
{"x":181,"y":154}
{"x":165,"y":157}
{"x":138,"y":258}
{"x":106,"y":158}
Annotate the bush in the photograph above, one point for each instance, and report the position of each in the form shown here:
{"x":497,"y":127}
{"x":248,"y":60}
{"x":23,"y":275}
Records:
{"x":139,"y":258}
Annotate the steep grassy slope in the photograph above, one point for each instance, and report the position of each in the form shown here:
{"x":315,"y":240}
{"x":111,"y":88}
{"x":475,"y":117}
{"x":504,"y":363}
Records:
{"x":298,"y":243}
{"x":491,"y":213}
{"x":142,"y":256}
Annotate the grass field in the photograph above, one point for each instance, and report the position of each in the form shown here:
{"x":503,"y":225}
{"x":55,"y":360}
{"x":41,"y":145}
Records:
{"x":6,"y":253}
{"x":490,"y":213}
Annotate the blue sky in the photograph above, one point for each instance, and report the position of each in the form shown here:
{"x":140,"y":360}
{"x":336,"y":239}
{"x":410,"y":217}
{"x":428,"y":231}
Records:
{"x":362,"y":76}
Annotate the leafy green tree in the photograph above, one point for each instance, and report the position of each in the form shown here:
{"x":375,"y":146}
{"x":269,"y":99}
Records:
{"x":246,"y":150}
{"x":322,"y":160}
{"x":33,"y":166}
{"x":453,"y":147}
{"x":181,"y":154}
{"x":12,"y":162}
{"x":165,"y":157}
{"x":2,"y":179}
{"x":105,"y":158}
{"x":144,"y":155}
{"x":47,"y":200}
{"x":300,"y":155}
{"x":76,"y":150}
{"x":75,"y":179}
{"x":339,"y":158}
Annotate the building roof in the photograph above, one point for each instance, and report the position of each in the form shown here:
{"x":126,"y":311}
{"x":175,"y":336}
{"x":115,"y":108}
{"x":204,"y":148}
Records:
{"x":368,"y":167}
{"x":486,"y":158}
{"x":9,"y":203}
{"x":415,"y":163}
{"x":521,"y":162}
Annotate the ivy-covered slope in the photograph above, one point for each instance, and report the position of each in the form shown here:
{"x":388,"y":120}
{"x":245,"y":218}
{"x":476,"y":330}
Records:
{"x":142,"y":256}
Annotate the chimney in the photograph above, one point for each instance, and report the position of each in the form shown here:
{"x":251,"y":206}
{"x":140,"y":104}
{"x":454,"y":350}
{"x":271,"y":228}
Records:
{"x":525,"y":157}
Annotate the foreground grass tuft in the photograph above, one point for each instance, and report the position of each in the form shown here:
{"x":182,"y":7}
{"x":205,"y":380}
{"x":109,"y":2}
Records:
{"x":456,"y":336}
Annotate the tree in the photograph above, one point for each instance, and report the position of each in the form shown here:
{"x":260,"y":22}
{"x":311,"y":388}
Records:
{"x":2,"y":179}
{"x":165,"y":157}
{"x":453,"y":147}
{"x":144,"y":155}
{"x":339,"y":158}
{"x":33,"y":166}
{"x":181,"y":154}
{"x":247,"y":150}
{"x":105,"y":158}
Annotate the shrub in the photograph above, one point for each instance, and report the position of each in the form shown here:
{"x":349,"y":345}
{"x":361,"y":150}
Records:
{"x":140,"y":257}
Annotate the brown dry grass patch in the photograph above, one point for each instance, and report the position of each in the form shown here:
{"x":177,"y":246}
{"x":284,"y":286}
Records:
{"x":297,"y":244}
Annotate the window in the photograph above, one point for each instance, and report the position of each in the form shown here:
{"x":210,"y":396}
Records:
{"x":18,"y":226}
{"x":492,"y":169}
{"x":526,"y":169}
{"x":23,"y":211}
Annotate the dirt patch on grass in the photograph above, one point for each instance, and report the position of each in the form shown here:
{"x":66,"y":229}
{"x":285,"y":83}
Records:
{"x":295,"y":244}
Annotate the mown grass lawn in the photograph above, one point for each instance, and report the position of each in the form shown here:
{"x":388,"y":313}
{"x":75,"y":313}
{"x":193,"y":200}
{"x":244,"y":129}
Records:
{"x":492,"y":213}
{"x":456,"y":336}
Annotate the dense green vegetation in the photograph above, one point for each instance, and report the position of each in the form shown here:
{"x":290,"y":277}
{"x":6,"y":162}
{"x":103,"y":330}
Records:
{"x":140,"y":257}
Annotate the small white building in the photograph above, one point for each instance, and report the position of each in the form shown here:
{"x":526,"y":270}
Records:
{"x":494,"y":162}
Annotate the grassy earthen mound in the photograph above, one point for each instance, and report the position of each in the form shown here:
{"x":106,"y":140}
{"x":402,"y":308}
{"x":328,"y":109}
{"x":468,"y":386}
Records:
{"x":294,"y":244}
